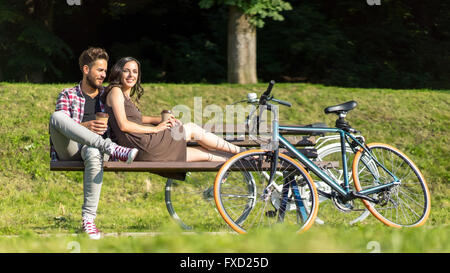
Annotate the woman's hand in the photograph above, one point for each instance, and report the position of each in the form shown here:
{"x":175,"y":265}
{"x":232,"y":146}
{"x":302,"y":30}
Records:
{"x":163,"y":126}
{"x":174,"y":121}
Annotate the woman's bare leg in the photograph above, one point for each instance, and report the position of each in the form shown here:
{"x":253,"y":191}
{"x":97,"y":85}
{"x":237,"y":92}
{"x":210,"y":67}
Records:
{"x":194,"y":154}
{"x":208,"y":140}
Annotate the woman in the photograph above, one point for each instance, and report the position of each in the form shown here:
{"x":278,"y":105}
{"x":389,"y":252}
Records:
{"x":130,"y":128}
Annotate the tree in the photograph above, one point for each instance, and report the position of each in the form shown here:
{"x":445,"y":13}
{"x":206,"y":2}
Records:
{"x":244,"y":17}
{"x":28,"y":45}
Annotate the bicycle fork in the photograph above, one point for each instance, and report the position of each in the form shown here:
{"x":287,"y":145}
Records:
{"x":299,"y":205}
{"x":289,"y":185}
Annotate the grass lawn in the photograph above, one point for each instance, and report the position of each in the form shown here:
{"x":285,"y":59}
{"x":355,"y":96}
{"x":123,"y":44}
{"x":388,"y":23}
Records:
{"x":35,"y":201}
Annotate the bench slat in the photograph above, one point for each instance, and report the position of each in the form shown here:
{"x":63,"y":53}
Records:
{"x":297,"y":141}
{"x":145,"y":166}
{"x":233,"y":133}
{"x":239,"y":129}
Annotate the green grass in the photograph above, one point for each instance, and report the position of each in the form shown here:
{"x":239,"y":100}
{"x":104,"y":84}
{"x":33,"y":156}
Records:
{"x":36,"y":201}
{"x":328,"y":239}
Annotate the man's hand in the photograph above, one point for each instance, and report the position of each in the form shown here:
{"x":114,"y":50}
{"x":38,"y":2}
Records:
{"x":96,"y":126}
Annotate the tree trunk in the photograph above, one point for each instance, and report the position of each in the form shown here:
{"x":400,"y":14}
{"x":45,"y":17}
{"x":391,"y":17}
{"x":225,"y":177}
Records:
{"x":241,"y":48}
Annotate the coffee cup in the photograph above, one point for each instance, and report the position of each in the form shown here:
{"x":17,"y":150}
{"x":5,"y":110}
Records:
{"x":165,"y":115}
{"x":102,"y":116}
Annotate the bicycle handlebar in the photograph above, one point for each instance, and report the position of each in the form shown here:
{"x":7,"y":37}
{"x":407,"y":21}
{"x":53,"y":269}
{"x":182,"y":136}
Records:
{"x":269,"y":88}
{"x":265,"y":95}
{"x":285,"y":103}
{"x":252,"y":97}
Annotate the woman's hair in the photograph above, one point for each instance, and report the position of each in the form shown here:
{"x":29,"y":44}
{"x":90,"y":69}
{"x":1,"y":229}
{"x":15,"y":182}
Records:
{"x":115,"y":77}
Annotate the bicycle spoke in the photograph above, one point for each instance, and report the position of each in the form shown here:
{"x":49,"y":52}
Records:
{"x":409,"y":198}
{"x":250,"y":202}
{"x":401,"y":201}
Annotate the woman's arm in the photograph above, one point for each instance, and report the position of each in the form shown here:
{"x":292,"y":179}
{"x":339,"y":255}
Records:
{"x":158,"y":119}
{"x":115,"y":100}
{"x":151,"y":120}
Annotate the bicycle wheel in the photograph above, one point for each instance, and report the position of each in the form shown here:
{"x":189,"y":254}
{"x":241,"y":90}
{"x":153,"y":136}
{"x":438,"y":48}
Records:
{"x":191,"y":202}
{"x":247,"y":202}
{"x":355,"y":211}
{"x":403,"y":205}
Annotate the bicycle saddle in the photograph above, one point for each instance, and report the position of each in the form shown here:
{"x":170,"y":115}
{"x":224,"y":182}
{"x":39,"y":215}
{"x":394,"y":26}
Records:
{"x":343,"y":107}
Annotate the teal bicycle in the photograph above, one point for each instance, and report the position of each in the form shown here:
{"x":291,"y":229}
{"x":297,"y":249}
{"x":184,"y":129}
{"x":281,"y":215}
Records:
{"x":263,"y":187}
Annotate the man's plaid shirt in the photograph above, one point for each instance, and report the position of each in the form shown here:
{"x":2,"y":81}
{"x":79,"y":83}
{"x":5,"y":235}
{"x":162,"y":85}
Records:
{"x":71,"y":102}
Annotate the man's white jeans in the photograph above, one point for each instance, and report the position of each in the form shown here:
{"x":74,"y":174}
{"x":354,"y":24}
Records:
{"x":73,"y":141}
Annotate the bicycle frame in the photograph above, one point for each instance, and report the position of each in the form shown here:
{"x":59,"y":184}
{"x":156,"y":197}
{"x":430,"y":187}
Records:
{"x":345,"y":190}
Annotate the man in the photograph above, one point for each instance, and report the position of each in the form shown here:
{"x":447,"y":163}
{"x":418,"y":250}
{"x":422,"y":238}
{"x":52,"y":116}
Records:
{"x":75,"y":134}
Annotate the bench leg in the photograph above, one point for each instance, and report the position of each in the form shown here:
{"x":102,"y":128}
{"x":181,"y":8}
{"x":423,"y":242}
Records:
{"x":190,"y":203}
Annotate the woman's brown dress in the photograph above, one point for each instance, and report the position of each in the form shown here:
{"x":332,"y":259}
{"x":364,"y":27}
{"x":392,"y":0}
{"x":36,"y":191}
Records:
{"x":160,"y":146}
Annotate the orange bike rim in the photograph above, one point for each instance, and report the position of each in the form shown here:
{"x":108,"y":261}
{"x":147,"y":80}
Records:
{"x":225,"y":215}
{"x":367,"y":203}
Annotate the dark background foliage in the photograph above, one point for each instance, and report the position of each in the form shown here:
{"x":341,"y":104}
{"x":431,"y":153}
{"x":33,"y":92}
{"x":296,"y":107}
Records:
{"x":398,"y":44}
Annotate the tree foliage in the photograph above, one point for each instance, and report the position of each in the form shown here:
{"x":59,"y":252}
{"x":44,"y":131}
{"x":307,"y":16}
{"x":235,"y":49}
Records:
{"x":257,"y":10}
{"x":28,"y":47}
{"x":399,"y":44}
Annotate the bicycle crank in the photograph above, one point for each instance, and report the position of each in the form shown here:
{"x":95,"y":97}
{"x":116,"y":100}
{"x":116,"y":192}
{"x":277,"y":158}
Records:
{"x":341,"y":205}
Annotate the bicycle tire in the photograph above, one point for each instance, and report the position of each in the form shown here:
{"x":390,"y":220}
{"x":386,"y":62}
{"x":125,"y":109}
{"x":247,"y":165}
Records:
{"x":396,"y":212}
{"x":332,"y":152}
{"x":243,"y":204}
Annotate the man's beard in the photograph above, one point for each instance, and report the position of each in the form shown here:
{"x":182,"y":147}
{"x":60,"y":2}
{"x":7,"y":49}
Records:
{"x":91,"y":82}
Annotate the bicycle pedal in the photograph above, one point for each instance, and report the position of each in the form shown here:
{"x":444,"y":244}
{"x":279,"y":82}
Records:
{"x":365,"y":197}
{"x":271,"y":213}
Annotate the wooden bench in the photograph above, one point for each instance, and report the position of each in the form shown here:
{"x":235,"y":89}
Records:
{"x":176,"y":167}
{"x":174,"y":198}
